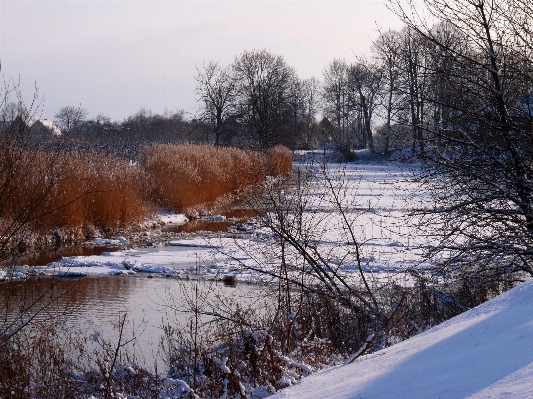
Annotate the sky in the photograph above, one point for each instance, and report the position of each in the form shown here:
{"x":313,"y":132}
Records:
{"x":114,"y":57}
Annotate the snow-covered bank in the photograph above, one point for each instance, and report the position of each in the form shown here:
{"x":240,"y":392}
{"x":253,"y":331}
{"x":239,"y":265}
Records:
{"x":486,"y":352}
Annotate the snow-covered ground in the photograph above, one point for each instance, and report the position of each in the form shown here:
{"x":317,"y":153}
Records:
{"x":486,"y":352}
{"x":379,"y":196}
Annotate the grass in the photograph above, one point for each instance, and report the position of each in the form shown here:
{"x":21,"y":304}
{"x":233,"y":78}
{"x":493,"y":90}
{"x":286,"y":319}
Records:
{"x":186,"y":176}
{"x":42,"y":192}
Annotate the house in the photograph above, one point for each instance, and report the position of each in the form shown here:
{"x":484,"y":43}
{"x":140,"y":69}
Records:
{"x":37,"y":125}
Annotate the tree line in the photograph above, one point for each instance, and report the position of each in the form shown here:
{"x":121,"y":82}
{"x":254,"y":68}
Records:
{"x":418,"y":88}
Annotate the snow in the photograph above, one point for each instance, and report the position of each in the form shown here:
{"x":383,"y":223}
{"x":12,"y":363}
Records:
{"x":167,"y":217}
{"x":382,"y":193}
{"x":483,"y":353}
{"x":109,"y":241}
{"x":171,"y":260}
{"x":31,"y":120}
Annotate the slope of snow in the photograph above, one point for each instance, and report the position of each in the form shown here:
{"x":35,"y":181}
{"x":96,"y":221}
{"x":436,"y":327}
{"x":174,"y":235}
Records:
{"x":486,"y":352}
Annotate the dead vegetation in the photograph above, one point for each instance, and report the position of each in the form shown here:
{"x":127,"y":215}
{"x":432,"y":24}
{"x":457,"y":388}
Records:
{"x":75,"y":194}
{"x":185,"y":176}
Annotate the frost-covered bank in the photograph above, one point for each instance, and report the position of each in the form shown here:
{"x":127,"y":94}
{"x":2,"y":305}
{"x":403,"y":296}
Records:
{"x":486,"y":352}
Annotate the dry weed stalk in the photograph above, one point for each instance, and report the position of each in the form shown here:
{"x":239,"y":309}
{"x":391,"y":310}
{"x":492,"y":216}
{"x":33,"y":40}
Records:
{"x":73,"y":191}
{"x":279,"y":159}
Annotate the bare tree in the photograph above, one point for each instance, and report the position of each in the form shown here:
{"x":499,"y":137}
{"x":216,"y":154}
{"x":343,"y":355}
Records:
{"x":365,"y":81}
{"x":216,"y":90}
{"x":9,"y":112}
{"x":69,"y":118}
{"x":263,"y":84}
{"x":482,"y":177}
{"x":386,"y":52}
{"x":413,"y":83}
{"x":311,"y":104}
{"x":337,"y":104}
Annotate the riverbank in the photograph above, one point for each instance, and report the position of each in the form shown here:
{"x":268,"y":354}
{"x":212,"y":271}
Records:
{"x":243,"y":248}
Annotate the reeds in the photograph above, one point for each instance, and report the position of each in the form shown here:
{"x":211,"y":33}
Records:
{"x":185,"y":176}
{"x":48,"y":190}
{"x":279,"y":161}
{"x":44,"y":191}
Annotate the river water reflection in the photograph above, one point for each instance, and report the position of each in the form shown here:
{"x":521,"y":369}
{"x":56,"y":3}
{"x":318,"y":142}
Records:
{"x":94,"y":304}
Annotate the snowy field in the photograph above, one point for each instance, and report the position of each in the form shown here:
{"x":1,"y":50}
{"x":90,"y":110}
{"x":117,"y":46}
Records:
{"x":378,"y":198}
{"x":486,"y":352}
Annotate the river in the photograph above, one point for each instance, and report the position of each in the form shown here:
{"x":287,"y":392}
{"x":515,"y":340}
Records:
{"x":94,"y":304}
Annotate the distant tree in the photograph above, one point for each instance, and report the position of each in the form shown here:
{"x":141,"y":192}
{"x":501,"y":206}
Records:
{"x":145,"y":127}
{"x":297,"y":107}
{"x":263,"y":87}
{"x":337,"y":106}
{"x":9,"y":111}
{"x":365,"y":80}
{"x":69,"y":118}
{"x":216,"y":91}
{"x":413,"y":83}
{"x":386,"y":52}
{"x":311,"y":103}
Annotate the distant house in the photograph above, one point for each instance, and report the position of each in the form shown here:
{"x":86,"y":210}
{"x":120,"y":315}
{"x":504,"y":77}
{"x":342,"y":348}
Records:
{"x":37,"y":125}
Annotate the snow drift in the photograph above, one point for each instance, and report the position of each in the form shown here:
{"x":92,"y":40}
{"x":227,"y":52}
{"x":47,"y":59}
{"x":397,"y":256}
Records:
{"x":485,"y":352}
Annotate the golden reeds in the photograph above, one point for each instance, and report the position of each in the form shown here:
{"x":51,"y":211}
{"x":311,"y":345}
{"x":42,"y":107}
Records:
{"x":74,"y":190}
{"x":185,"y":176}
{"x":279,"y":161}
{"x":50,"y":190}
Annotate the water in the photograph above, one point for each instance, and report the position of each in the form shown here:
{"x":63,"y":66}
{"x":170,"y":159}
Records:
{"x":233,"y":216}
{"x":93,"y":305}
{"x":45,"y":257}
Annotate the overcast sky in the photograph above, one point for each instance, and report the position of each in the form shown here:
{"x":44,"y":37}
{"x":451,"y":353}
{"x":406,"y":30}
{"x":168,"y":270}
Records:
{"x":114,"y":57}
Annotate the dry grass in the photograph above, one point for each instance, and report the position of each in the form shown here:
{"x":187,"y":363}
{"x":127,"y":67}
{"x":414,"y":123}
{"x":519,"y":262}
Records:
{"x":41,"y":192}
{"x":279,"y":161}
{"x":186,"y":176}
{"x":73,"y":190}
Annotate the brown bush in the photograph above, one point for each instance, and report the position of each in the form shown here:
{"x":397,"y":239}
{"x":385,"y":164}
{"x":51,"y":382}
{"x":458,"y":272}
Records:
{"x":185,"y":176}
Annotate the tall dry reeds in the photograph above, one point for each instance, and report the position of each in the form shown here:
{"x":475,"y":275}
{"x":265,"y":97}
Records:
{"x":185,"y":176}
{"x":279,"y":161}
{"x":42,"y":191}
{"x":74,"y":190}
